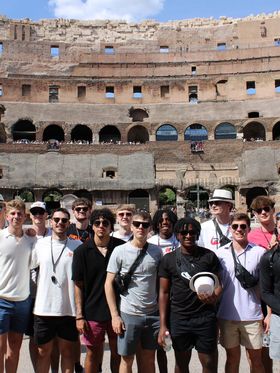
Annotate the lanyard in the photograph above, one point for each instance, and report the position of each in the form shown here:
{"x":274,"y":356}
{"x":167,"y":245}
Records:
{"x":54,"y":263}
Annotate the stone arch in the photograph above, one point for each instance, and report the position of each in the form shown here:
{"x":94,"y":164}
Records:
{"x":225,"y":131}
{"x":83,"y":193}
{"x":254,"y":131}
{"x":138,"y":115}
{"x":196,"y":197}
{"x":166,"y":197}
{"x":53,"y":132}
{"x":24,"y":129}
{"x":253,"y":193}
{"x":196,"y":132}
{"x":166,"y":132}
{"x":140,"y":198}
{"x":109,"y":134}
{"x":276,"y":131}
{"x":138,"y":134}
{"x":81,"y":133}
{"x":52,"y":199}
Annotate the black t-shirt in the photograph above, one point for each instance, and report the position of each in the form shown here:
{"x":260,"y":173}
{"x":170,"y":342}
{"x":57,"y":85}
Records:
{"x":79,"y":234}
{"x":89,"y":266}
{"x":184,"y":302}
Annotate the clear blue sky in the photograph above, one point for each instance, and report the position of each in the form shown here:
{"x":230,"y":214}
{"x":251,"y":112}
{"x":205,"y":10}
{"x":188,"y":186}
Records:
{"x":161,"y":10}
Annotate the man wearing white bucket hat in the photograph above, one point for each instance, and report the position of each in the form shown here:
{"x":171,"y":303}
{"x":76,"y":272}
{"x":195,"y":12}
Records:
{"x":215,"y":233}
{"x":240,"y":314}
{"x":189,"y":273}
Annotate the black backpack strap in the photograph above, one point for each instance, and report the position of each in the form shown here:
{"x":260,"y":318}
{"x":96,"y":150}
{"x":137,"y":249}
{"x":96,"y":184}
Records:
{"x":138,"y":260}
{"x":223,"y":239}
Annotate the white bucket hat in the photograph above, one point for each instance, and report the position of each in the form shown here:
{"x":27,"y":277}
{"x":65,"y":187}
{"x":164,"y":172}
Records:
{"x":221,"y":195}
{"x":204,"y":282}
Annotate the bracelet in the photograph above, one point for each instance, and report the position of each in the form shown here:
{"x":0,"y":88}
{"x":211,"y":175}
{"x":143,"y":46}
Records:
{"x":80,"y":318}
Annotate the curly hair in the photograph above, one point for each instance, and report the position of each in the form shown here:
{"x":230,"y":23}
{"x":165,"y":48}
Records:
{"x":158,"y":216}
{"x":104,"y":213}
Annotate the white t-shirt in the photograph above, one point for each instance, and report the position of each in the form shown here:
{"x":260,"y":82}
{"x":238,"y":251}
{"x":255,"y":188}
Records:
{"x":15,"y":261}
{"x":54,"y":299}
{"x":122,"y":237}
{"x":209,"y":236}
{"x":166,"y":245}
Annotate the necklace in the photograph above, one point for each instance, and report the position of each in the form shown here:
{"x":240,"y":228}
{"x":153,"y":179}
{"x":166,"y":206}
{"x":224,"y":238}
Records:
{"x":54,"y":263}
{"x":268,"y":242}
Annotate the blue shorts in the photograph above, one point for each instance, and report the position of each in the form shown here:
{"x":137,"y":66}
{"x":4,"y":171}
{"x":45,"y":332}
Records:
{"x":14,"y":315}
{"x":141,"y":329}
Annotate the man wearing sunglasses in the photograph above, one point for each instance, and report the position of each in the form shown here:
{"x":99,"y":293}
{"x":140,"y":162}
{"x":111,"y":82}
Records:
{"x":93,"y":318}
{"x":190,"y":318}
{"x":54,"y":304}
{"x":215,"y":233}
{"x":80,"y":229}
{"x":240,"y":313}
{"x":124,"y":218}
{"x":134,"y":321}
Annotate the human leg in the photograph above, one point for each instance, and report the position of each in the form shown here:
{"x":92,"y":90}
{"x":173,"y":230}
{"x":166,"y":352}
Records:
{"x":126,"y":364}
{"x":233,"y":359}
{"x":115,"y":358}
{"x":44,"y":357}
{"x":209,"y":361}
{"x":182,"y":361}
{"x":255,"y":360}
{"x":162,"y":360}
{"x":66,"y":349}
{"x":3,"y":348}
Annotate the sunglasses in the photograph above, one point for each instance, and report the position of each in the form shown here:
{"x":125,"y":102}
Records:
{"x":241,"y":226}
{"x":265,"y":209}
{"x":122,"y":214}
{"x":190,"y":233}
{"x":37,"y":212}
{"x":217,"y":203}
{"x":79,"y":209}
{"x":144,"y":224}
{"x":63,"y":220}
{"x":105,"y":223}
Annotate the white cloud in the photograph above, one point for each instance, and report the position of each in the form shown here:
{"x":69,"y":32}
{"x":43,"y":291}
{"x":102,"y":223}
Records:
{"x":129,"y":10}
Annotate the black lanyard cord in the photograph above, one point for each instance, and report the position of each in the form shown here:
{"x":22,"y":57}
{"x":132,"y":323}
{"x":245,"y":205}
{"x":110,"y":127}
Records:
{"x":54,"y":263}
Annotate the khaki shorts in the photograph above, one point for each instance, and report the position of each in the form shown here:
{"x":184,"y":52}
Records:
{"x":245,"y":333}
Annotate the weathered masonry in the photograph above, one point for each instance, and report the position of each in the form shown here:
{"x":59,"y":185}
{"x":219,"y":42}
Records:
{"x":118,"y":111}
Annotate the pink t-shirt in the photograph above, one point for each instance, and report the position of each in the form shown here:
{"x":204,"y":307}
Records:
{"x":260,"y":238}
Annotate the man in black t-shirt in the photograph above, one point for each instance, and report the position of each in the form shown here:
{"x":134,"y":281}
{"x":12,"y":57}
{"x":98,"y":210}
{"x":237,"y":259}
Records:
{"x":190,"y":317}
{"x":81,"y":230}
{"x":89,"y":273}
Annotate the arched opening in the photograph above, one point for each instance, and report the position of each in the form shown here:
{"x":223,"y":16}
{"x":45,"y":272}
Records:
{"x":24,"y":130}
{"x":53,"y":132}
{"x":25,"y":194}
{"x":140,"y":198}
{"x":254,"y":131}
{"x":109,"y":134}
{"x":196,"y":132}
{"x":52,"y":199}
{"x":166,"y":132}
{"x":276,"y":131}
{"x":138,"y":115}
{"x":196,"y":198}
{"x":3,"y":135}
{"x":225,"y":131}
{"x":83,"y":193}
{"x":138,"y":134}
{"x":253,"y":193}
{"x":166,"y":197}
{"x":81,"y":133}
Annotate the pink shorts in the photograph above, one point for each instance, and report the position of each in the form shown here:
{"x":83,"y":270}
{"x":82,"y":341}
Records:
{"x":96,"y":333}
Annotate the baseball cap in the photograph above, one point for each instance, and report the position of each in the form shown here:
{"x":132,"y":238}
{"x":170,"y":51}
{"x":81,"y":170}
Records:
{"x":38,"y":205}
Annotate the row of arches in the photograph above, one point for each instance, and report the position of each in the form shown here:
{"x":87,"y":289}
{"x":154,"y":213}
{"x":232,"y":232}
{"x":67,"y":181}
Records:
{"x":26,"y":130}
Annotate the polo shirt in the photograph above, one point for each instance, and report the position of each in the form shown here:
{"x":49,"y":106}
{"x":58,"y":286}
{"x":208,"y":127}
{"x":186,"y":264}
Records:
{"x":237,"y":303}
{"x":89,"y":267}
{"x":15,"y":263}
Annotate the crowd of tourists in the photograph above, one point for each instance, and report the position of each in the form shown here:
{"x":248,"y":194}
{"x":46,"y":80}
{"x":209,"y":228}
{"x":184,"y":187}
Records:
{"x":151,"y":283}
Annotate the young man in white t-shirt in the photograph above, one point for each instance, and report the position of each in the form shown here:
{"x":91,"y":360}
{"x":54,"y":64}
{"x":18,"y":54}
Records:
{"x":124,"y":219}
{"x":54,"y":304}
{"x":15,"y":305}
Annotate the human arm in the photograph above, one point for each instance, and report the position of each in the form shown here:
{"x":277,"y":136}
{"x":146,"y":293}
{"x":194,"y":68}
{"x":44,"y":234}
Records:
{"x":164,"y":296}
{"x":267,"y":284}
{"x":81,"y":323}
{"x":117,"y":323}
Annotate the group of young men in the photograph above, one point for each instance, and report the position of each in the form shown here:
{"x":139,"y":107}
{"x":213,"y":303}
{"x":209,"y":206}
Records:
{"x":73,"y":268}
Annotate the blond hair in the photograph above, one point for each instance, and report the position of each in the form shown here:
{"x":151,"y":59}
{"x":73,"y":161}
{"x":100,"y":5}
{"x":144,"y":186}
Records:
{"x":17,"y":204}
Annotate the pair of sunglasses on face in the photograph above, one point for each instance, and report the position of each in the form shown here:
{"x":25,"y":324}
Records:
{"x":122,"y":214}
{"x":62,"y":220}
{"x":241,"y":226}
{"x":265,"y":209}
{"x":81,"y":209}
{"x":104,"y":223}
{"x":137,"y":224}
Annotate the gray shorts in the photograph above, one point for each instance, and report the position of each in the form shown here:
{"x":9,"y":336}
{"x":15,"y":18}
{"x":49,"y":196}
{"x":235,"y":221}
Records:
{"x":274,"y":345}
{"x":141,"y":329}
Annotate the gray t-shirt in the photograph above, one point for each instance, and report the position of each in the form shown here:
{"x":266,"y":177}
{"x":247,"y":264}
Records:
{"x":141,"y":298}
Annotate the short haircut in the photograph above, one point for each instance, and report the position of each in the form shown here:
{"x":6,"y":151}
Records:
{"x":262,"y":201}
{"x":143,"y":214}
{"x":104,"y":213}
{"x":81,"y":201}
{"x":61,"y":209}
{"x":240,"y":216}
{"x":17,"y":204}
{"x":126,"y":207}
{"x":158,"y":216}
{"x":182,"y":224}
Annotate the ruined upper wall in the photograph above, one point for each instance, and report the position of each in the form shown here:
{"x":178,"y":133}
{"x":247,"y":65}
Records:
{"x":183,"y":35}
